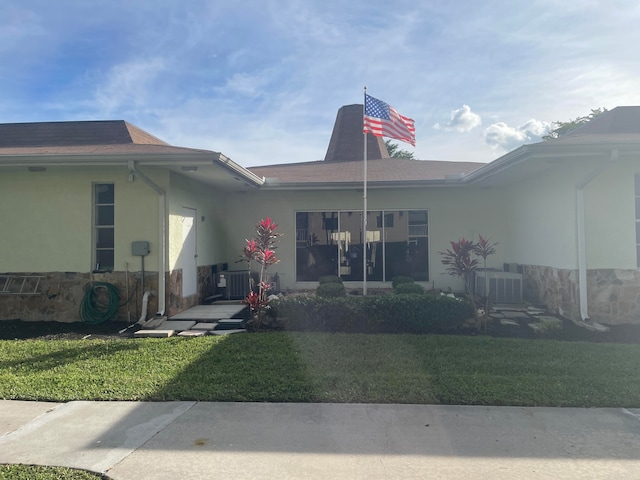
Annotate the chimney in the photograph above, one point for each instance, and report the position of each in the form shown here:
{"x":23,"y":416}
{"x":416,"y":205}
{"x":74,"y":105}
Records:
{"x":347,"y":142}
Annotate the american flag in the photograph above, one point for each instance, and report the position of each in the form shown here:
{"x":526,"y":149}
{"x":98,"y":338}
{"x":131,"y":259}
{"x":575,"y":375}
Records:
{"x":381,"y":120}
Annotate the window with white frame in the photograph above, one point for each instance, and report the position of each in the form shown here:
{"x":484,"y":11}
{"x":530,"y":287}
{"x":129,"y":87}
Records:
{"x":104,"y":226}
{"x":333,"y":243}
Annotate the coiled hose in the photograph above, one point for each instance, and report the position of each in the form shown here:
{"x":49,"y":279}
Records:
{"x":98,"y":306}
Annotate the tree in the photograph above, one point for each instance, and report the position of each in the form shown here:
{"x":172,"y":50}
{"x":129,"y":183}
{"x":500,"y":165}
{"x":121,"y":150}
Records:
{"x":396,"y":152}
{"x":562,"y":128}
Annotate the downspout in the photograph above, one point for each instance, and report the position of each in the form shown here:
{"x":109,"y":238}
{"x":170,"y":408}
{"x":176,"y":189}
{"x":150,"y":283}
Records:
{"x":162,"y":219}
{"x":582,"y":255}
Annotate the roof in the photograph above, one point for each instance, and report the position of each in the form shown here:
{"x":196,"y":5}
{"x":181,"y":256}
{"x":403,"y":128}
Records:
{"x":118,"y":149}
{"x":105,"y":137}
{"x":347,"y":142}
{"x":50,"y":134}
{"x":619,"y":125}
{"x":380,"y":171}
{"x":610,"y":134}
{"x":112,"y":142}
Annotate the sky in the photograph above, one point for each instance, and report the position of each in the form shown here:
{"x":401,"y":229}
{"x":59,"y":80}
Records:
{"x":262,"y":81}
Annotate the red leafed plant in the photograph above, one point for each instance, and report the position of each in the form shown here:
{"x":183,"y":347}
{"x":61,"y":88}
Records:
{"x":260,"y":250}
{"x":461,"y":260}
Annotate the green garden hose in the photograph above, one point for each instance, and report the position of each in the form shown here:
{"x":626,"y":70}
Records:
{"x":100,"y":303}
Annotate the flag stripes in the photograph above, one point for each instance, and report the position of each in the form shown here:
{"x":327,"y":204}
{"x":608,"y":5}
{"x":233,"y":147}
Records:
{"x":382,"y":120}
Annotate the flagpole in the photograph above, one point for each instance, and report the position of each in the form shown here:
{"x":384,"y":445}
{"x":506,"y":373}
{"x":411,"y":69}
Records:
{"x":364,"y":208}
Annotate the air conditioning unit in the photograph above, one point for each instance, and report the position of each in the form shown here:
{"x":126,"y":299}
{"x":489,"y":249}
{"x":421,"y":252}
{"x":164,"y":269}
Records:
{"x":504,"y":287}
{"x":237,"y":284}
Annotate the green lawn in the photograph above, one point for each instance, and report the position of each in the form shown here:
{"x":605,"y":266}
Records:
{"x":31,"y":472}
{"x":319,"y":367}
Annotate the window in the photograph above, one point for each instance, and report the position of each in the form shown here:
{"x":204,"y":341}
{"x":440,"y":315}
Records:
{"x":103,"y":226}
{"x":388,"y":220}
{"x":333,"y":243}
{"x":637,"y":178}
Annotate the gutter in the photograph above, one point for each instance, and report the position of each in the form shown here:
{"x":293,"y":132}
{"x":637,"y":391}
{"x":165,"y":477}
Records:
{"x":233,"y":167}
{"x":143,"y":159}
{"x":162,"y":218}
{"x":274,"y":184}
{"x":581,"y":233}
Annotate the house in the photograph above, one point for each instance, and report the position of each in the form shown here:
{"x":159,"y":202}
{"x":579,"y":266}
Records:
{"x":80,"y":201}
{"x":107,"y":202}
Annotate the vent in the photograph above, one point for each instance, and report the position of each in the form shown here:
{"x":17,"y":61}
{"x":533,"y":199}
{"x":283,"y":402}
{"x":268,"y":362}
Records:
{"x":504,"y":287}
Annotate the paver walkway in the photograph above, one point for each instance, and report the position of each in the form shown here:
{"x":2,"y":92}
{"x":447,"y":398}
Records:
{"x":215,"y":319}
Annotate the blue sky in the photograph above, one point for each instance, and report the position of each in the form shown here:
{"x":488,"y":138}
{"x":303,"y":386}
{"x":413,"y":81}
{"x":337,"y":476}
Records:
{"x":262,"y":81}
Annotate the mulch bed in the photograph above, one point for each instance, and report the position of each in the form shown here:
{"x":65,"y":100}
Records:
{"x":19,"y":330}
{"x":569,"y":332}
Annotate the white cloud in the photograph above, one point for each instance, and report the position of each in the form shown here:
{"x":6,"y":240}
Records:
{"x":129,"y":84}
{"x":462,"y":120}
{"x":245,"y":84}
{"x":502,"y":136}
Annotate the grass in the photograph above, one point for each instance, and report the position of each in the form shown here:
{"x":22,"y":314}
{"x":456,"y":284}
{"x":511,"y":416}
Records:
{"x":322,"y":367}
{"x":32,"y":472}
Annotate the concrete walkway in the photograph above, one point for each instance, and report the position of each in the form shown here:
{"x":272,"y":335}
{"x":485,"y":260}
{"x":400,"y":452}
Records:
{"x":197,"y":440}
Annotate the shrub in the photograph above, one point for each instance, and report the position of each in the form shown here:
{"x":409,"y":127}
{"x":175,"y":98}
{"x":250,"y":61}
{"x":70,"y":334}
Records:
{"x":409,"y":288}
{"x":331,"y":290}
{"x":373,"y":314}
{"x":329,"y":279}
{"x":399,"y":280}
{"x":314,"y":313}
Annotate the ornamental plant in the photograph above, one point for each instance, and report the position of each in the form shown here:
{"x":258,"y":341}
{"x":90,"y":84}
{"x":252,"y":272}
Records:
{"x":482,"y":249}
{"x":461,"y":260}
{"x":261,"y":251}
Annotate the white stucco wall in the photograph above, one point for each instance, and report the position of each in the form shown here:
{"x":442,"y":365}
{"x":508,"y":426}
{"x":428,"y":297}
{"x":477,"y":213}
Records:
{"x":207,"y":202}
{"x":542,"y":216}
{"x":610,"y":217}
{"x":453,"y":213}
{"x":47,"y":219}
{"x":541,"y":212}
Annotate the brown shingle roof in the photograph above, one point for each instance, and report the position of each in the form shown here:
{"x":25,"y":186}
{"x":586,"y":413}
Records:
{"x":619,"y":125}
{"x":125,"y":149}
{"x":347,"y":139}
{"x":58,"y":134}
{"x":378,"y":171}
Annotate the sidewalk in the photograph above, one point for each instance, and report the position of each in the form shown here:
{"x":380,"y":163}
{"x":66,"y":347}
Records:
{"x":196,"y":440}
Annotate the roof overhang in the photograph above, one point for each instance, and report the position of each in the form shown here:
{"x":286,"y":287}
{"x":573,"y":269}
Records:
{"x":212,"y":168}
{"x":533,"y":159}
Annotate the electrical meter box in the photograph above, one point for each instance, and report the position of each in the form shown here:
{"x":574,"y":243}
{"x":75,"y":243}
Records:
{"x":140,"y":249}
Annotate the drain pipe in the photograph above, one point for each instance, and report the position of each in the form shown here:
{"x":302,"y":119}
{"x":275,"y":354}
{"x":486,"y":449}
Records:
{"x":162,"y":218}
{"x":582,"y":255}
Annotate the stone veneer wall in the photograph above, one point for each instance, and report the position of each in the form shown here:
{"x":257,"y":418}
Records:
{"x":60,"y":295}
{"x":176,"y":303}
{"x":555,"y":288}
{"x":613,"y":294}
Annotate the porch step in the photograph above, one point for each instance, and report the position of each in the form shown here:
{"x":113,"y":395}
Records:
{"x":177,"y":325}
{"x":230,"y":323}
{"x":153,"y":333}
{"x":193,"y":333}
{"x":205,"y":326}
